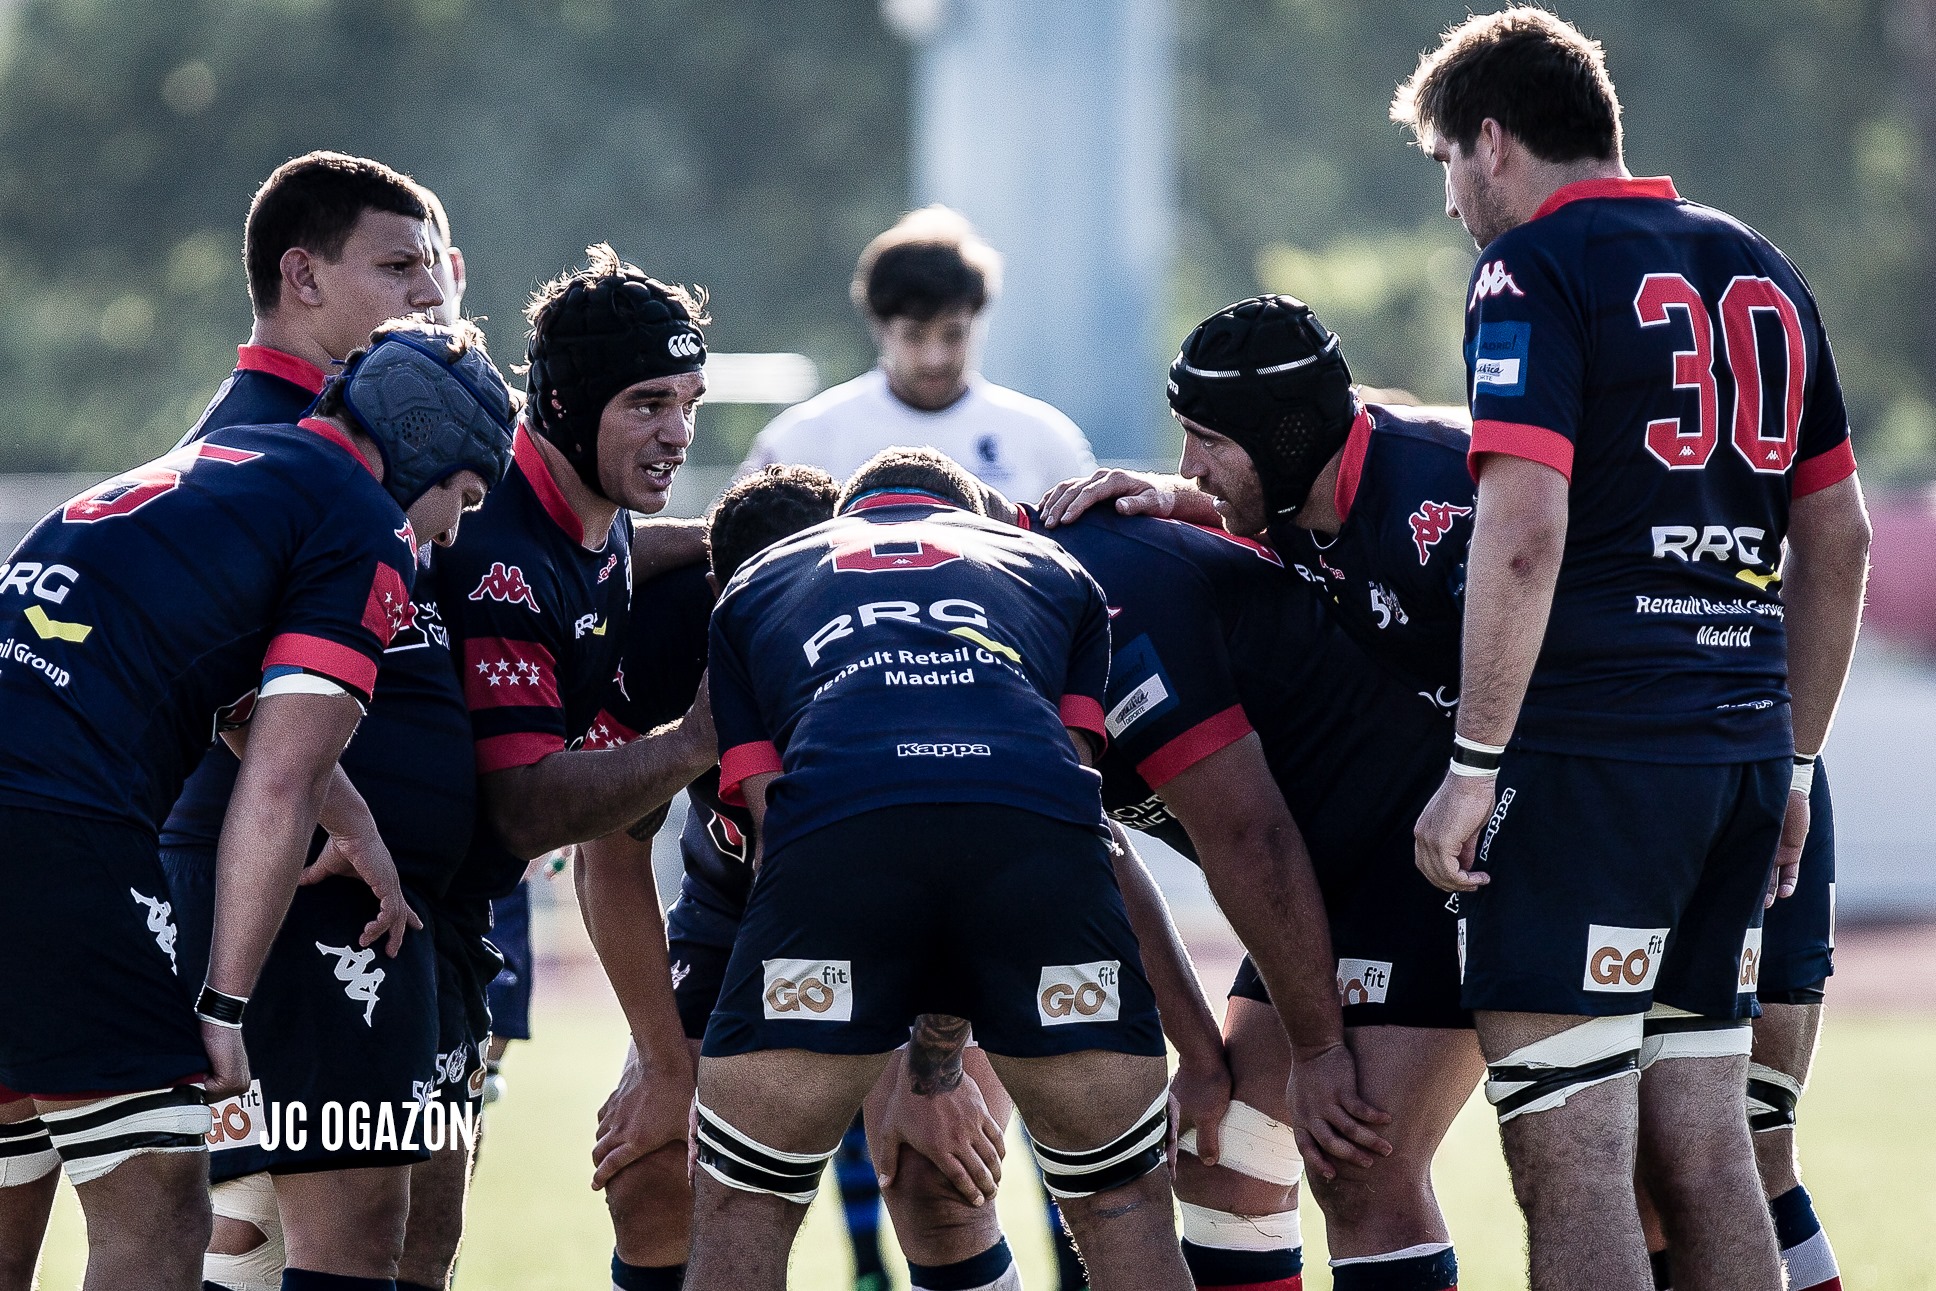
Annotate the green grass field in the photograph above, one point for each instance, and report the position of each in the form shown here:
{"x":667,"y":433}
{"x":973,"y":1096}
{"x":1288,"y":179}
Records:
{"x":1868,"y":1133}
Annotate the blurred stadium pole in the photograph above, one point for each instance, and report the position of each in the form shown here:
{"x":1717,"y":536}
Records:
{"x":1048,"y":123}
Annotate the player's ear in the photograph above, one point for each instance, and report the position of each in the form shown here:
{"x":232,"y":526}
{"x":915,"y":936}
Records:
{"x":299,"y":276}
{"x":457,"y":274}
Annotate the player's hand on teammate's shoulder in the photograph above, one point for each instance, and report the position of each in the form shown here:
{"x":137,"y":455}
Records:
{"x":1199,"y":1099}
{"x":363,"y":855}
{"x":1333,"y":1124}
{"x":952,"y":1127}
{"x":651,"y":1108}
{"x":1134,"y":493}
{"x":1446,"y":838}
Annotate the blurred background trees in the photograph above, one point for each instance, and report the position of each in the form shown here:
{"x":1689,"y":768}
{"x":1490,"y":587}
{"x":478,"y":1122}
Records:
{"x":755,"y":146}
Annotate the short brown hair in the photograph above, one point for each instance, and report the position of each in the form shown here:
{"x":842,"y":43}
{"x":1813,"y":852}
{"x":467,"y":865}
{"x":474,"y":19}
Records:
{"x":931,"y":261}
{"x":764,"y":508}
{"x":313,"y":202}
{"x":925,"y":469}
{"x":1534,"y":73}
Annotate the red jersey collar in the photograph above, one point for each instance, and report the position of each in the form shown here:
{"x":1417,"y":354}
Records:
{"x":531,"y":461}
{"x":1661,"y":186}
{"x":869,"y":501}
{"x":335,"y":435}
{"x":1351,"y":467}
{"x":277,"y":363}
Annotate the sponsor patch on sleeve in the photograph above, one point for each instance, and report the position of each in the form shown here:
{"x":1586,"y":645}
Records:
{"x":1149,"y":691}
{"x":1499,"y":358}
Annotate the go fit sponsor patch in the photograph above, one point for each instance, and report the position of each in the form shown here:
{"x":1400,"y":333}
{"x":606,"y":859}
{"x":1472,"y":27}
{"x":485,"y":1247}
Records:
{"x":1622,"y":960}
{"x":808,"y":990}
{"x":1080,"y":993}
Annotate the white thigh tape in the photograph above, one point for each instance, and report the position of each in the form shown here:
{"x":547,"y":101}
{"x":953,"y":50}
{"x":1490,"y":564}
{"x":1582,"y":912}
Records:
{"x":256,"y":1270}
{"x":94,"y":1139}
{"x":1676,"y":1033}
{"x":1544,"y":1074}
{"x":750,"y":1166}
{"x":251,"y":1199}
{"x":1254,"y":1144}
{"x":1067,"y":1175}
{"x":1772,"y":1096}
{"x":26,"y":1153}
{"x":1391,"y":1257}
{"x":1227,"y":1232}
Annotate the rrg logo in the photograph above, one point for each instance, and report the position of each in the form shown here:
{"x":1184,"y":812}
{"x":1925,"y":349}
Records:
{"x":1080,"y":993}
{"x":809,"y":990}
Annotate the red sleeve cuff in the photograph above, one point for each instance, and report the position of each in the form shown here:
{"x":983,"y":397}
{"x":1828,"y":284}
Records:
{"x":1816,"y":473}
{"x":1534,"y":443}
{"x":1084,"y":714}
{"x":742,"y":762}
{"x":338,"y":662}
{"x":518,"y":749}
{"x":1193,"y":746}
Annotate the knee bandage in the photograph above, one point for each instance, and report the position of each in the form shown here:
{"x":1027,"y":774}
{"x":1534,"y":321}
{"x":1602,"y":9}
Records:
{"x":739,"y":1162}
{"x":251,"y":1199}
{"x":1126,"y":1158}
{"x":1771,"y":1099}
{"x":1669,"y":1032}
{"x":94,"y":1139}
{"x":1545,"y":1073}
{"x":1253,"y":1144}
{"x":1227,"y":1232}
{"x":26,"y":1153}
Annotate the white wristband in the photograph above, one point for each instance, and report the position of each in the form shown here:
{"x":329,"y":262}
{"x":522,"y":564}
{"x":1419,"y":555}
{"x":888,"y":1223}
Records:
{"x":1473,"y":773}
{"x":1804,"y":780}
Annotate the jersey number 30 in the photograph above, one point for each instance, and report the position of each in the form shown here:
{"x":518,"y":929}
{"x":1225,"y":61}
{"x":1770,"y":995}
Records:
{"x":1670,"y":439}
{"x":130,"y":492}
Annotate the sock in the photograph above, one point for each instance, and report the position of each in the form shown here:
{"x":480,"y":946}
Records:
{"x":1805,"y":1251}
{"x":860,"y":1197}
{"x":992,"y":1270}
{"x":1427,"y":1267}
{"x":1663,"y":1270}
{"x":1070,"y":1275}
{"x":306,"y":1280}
{"x":638,"y":1277}
{"x":1216,"y":1266}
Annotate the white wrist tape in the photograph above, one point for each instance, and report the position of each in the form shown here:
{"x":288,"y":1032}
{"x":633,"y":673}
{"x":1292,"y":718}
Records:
{"x":1804,"y":780}
{"x":1253,"y":1144}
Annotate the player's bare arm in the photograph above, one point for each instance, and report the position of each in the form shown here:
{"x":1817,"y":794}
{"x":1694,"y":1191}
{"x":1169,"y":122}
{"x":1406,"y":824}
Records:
{"x":1260,"y":873}
{"x":661,"y":544}
{"x":1518,"y":535}
{"x":619,"y":901}
{"x":576,"y":794}
{"x":1822,"y":583}
{"x":1170,"y":497}
{"x":937,"y":1110}
{"x":293,"y":746}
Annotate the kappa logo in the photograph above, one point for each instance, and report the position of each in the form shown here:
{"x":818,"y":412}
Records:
{"x":506,"y":583}
{"x":1498,"y":818}
{"x":611,"y":563}
{"x":360,"y":981}
{"x":161,"y":923}
{"x":1493,"y":279}
{"x":1622,"y":961}
{"x":1072,"y":993}
{"x":1750,"y":962}
{"x":1363,"y":981}
{"x":1430,"y":523}
{"x":809,"y":990}
{"x":681,"y":970}
{"x":683,"y":345}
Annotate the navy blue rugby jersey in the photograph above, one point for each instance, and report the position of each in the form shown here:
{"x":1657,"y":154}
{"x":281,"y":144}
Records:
{"x":140,"y":616}
{"x":1213,"y":639}
{"x":537,"y":625}
{"x":411,"y":756}
{"x":1670,"y":362}
{"x":665,"y":656}
{"x":1395,"y":570}
{"x":909,"y":652}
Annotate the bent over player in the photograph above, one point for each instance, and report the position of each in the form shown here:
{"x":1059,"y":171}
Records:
{"x":251,"y":578}
{"x":1639,"y":715}
{"x":929,"y":823}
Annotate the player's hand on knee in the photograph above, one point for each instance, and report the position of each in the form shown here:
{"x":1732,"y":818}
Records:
{"x":1788,"y":853}
{"x":1446,"y":838}
{"x":952,"y":1128}
{"x":364,"y":855}
{"x":1333,"y":1123}
{"x":228,"y":1061}
{"x":1199,"y":1098}
{"x":651,"y":1108}
{"x":1134,"y":492}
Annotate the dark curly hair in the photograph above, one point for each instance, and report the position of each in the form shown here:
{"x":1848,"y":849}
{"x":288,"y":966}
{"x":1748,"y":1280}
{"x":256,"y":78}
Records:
{"x":761,"y":509}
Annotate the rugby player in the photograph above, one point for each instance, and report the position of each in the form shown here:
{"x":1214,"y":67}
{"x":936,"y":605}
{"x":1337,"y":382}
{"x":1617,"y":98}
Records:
{"x":1663,"y":709}
{"x":314,"y":525}
{"x":535,"y":597}
{"x":924,"y":287}
{"x":769,"y":1117}
{"x":332,"y":243}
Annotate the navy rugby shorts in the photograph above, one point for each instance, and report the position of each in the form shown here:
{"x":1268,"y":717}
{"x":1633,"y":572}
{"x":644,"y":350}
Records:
{"x":1617,"y":885}
{"x":1396,"y":939}
{"x":1798,"y":932}
{"x":700,"y":929}
{"x":998,"y":915}
{"x":510,"y":991}
{"x":466,"y":963}
{"x":89,"y":950}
